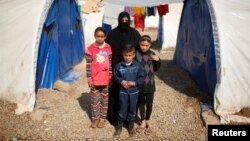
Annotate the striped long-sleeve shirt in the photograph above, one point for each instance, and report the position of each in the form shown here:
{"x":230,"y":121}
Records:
{"x":98,"y":64}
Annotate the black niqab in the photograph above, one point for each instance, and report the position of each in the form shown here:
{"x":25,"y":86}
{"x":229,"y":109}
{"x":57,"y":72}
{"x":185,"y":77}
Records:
{"x":123,"y":26}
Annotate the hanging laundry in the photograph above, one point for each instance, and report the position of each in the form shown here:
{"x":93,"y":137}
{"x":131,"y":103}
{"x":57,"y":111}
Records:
{"x":162,"y":9}
{"x":138,"y":10}
{"x":150,"y":11}
{"x":139,"y":17}
{"x":139,"y":22}
{"x":129,"y":10}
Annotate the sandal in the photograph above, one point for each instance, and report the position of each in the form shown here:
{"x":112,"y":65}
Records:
{"x":148,"y":131}
{"x":139,"y":129}
{"x":101,"y":123}
{"x":94,"y":123}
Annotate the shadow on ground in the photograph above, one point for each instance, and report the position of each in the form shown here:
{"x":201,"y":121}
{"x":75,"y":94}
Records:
{"x":177,"y":78}
{"x":84,"y":101}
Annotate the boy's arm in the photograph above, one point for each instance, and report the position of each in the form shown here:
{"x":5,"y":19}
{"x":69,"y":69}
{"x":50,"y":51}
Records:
{"x":117,"y":75}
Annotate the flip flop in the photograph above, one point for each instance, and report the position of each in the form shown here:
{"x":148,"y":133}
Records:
{"x":140,"y":129}
{"x":148,"y":131}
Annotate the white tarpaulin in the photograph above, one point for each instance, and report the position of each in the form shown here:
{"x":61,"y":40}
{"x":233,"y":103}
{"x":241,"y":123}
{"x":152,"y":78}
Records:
{"x":20,"y":30}
{"x":233,"y":91}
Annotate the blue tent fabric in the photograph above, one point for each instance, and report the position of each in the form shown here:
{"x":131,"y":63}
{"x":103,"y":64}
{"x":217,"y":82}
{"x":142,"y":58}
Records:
{"x":107,"y":27}
{"x":61,"y":44}
{"x":195,"y":45}
{"x":160,"y":36}
{"x":71,"y":76}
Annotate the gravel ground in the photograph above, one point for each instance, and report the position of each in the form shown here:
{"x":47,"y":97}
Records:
{"x":65,"y":114}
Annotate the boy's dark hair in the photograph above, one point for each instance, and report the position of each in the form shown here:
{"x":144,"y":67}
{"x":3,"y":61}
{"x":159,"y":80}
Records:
{"x":128,"y":48}
{"x":100,"y":29}
{"x":145,"y":38}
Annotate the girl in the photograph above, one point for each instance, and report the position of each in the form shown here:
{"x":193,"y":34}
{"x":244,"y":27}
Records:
{"x":99,"y":73}
{"x":151,"y":63}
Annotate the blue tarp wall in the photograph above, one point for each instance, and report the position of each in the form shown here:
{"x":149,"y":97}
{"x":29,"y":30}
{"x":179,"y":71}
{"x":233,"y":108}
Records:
{"x":62,"y":43}
{"x":195,"y":45}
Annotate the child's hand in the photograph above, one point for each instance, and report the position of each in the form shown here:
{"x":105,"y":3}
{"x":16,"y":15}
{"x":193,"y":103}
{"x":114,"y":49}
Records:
{"x":130,"y":83}
{"x":90,"y":84}
{"x":155,"y":57}
{"x":125,"y":84}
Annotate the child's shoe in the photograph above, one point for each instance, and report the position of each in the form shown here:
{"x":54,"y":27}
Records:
{"x":142,"y":127}
{"x":94,"y":123}
{"x":148,"y":131}
{"x":118,"y":129}
{"x":131,"y":129}
{"x":101,"y":123}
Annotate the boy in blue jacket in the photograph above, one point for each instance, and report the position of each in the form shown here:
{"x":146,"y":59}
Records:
{"x":129,"y":74}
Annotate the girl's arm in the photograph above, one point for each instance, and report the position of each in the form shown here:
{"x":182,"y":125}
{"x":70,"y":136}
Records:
{"x":88,"y":58}
{"x":110,"y":70}
{"x":157,"y":64}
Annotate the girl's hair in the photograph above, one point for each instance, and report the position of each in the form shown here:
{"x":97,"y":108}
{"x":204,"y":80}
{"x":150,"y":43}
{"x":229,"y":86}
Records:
{"x":100,"y":29}
{"x":145,"y":38}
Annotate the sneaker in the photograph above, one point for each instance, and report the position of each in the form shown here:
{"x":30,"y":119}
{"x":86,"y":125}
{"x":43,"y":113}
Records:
{"x":101,"y":123}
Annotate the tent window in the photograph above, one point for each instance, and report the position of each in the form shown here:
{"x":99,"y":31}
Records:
{"x":49,"y":30}
{"x":49,"y":26}
{"x":78,"y":24}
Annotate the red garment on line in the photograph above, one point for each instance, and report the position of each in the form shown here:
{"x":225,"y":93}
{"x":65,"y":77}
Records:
{"x":139,"y":21}
{"x":162,"y":9}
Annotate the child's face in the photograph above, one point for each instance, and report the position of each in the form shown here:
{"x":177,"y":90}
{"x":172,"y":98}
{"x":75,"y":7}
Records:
{"x":144,"y":45}
{"x":128,"y":56}
{"x":100,"y":37}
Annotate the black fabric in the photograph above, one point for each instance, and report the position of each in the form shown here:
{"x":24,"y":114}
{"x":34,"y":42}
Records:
{"x":123,"y":26}
{"x":150,"y":11}
{"x":146,"y":105}
{"x":117,"y":39}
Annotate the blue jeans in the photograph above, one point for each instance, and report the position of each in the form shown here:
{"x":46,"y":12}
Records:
{"x":128,"y":105}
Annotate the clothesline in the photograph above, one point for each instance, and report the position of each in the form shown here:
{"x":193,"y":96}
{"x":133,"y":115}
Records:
{"x":142,"y":2}
{"x":139,"y":13}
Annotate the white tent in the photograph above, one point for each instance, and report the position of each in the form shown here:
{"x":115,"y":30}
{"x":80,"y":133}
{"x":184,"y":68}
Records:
{"x":232,"y":91}
{"x":20,"y":27}
{"x":27,"y":29}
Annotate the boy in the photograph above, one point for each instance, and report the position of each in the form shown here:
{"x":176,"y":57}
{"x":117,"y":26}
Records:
{"x":129,"y":74}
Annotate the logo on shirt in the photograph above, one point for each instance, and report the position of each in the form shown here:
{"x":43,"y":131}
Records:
{"x":100,"y":57}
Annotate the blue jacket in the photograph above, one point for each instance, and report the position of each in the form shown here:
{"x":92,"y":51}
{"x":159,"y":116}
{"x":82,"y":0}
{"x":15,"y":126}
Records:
{"x":133,"y":72}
